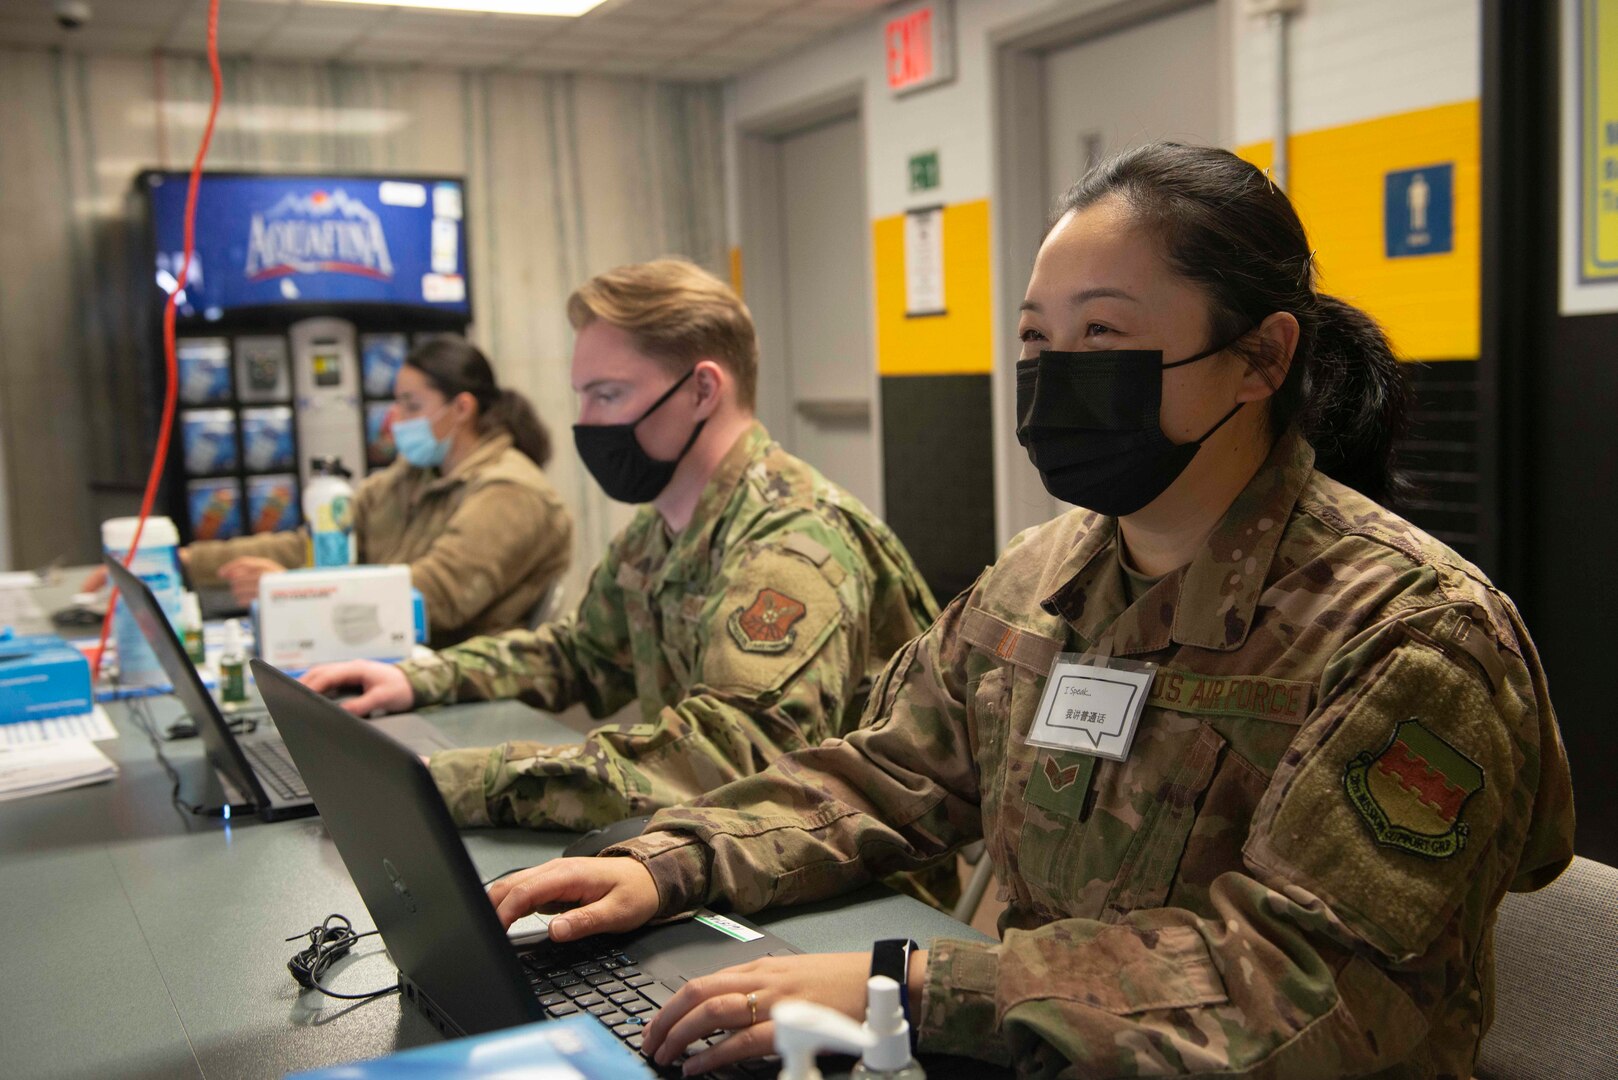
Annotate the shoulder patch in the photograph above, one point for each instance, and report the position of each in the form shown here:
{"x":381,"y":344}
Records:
{"x":765,"y":626}
{"x":1387,"y":803}
{"x":776,"y":613}
{"x":1410,"y":794}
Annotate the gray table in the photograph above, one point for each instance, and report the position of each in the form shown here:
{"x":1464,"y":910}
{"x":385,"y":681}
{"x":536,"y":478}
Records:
{"x":140,"y":942}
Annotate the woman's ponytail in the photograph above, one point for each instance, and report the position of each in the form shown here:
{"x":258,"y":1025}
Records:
{"x":516,"y":414}
{"x":1352,"y":400}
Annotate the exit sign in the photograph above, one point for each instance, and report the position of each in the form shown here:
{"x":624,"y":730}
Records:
{"x":920,"y":44}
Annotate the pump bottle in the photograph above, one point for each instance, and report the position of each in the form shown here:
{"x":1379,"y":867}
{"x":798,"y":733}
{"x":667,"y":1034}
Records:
{"x":233,"y":668}
{"x":804,"y":1029}
{"x":888,"y":1056}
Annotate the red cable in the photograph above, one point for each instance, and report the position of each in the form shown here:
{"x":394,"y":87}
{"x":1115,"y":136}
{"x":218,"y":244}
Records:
{"x":171,"y":391}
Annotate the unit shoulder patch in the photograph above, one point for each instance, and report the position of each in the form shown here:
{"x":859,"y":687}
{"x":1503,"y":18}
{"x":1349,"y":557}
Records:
{"x":766,"y":625}
{"x":776,"y":613}
{"x":1410,"y":793}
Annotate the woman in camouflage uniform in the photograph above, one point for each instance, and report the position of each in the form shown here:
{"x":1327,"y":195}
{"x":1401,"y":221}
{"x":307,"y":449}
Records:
{"x":1346,"y":756}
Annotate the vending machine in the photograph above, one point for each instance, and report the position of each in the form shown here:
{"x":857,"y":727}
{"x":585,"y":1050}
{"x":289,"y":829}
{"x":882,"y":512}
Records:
{"x":304,"y":295}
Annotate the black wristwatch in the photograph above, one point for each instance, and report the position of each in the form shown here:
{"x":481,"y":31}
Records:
{"x":892,"y":958}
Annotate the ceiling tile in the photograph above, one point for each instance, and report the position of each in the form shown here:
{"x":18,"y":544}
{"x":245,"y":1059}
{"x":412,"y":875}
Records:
{"x":681,"y":39}
{"x":393,"y":52}
{"x":156,"y":13}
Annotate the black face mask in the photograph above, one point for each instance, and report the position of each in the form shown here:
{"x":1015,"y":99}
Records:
{"x":1090,"y":424}
{"x":623,"y":468}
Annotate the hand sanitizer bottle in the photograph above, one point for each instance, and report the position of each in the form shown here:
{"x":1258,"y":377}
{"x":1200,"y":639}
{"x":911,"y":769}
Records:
{"x":888,"y":1055}
{"x":232,"y":668}
{"x":804,"y":1029}
{"x":191,"y":628}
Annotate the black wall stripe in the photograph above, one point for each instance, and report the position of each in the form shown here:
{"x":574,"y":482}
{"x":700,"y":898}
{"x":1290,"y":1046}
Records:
{"x":1441,"y":454}
{"x":938,"y":471}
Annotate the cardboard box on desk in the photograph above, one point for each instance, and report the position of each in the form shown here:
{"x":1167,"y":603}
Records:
{"x":42,"y":676}
{"x":308,"y":617}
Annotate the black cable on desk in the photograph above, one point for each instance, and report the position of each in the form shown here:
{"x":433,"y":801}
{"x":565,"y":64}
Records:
{"x":141,"y":717}
{"x":329,"y":943}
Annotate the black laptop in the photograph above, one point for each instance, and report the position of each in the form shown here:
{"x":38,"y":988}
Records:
{"x":248,"y":773}
{"x":390,"y":825}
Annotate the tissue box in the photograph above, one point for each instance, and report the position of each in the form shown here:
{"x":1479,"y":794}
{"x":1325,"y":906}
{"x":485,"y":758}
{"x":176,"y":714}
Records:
{"x":314,"y":616}
{"x":42,"y":676}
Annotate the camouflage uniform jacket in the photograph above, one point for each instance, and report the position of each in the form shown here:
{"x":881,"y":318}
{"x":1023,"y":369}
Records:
{"x":484,"y":542}
{"x":1347,"y":757}
{"x":757,"y":630}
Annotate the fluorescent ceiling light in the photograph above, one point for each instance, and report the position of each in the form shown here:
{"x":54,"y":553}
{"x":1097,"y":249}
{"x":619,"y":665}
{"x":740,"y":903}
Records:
{"x":275,"y":119}
{"x":562,"y":8}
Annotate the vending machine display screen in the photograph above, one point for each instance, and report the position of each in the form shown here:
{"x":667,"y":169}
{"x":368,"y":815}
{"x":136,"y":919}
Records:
{"x":326,"y":364}
{"x":272,"y":241}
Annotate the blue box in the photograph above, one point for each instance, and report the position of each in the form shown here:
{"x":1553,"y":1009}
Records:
{"x":576,"y":1046}
{"x":272,"y":504}
{"x":215,"y":507}
{"x":381,"y":357}
{"x":204,"y":365}
{"x":208,"y":437}
{"x":267,"y":439}
{"x":379,"y":448}
{"x":42,"y":676}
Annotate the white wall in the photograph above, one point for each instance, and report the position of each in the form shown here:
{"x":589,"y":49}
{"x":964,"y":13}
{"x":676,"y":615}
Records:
{"x":955,"y":119}
{"x":1356,"y":59}
{"x":1351,"y":59}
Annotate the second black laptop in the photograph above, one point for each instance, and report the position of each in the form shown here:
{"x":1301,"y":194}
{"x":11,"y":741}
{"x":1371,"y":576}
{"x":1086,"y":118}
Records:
{"x":456,"y":964}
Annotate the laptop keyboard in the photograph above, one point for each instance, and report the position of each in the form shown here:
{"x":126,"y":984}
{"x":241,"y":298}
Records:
{"x":585,"y":977}
{"x":275,"y":769}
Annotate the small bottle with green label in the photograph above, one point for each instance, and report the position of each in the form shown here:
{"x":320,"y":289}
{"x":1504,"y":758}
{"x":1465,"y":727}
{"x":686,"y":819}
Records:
{"x":233,"y":668}
{"x":191,"y":628}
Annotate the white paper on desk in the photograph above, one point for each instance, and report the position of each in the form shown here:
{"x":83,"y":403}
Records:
{"x":17,"y":603}
{"x":94,"y":725}
{"x":54,"y":766}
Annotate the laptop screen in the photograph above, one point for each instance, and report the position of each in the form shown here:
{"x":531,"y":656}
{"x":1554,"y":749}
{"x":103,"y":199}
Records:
{"x":155,"y":627}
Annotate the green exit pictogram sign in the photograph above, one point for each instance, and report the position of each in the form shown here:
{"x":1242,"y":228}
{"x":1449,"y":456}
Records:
{"x":924,"y":171}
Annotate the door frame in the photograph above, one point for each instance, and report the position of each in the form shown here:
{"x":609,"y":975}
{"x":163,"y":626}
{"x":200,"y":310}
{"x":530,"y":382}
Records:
{"x":762,"y":242}
{"x":1017,"y":141}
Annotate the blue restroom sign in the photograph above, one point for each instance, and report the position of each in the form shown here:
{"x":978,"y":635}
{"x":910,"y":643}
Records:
{"x":1418,"y":211}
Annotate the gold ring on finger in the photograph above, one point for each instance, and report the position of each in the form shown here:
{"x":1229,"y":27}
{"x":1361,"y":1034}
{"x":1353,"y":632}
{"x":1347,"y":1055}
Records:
{"x":752,"y":1008}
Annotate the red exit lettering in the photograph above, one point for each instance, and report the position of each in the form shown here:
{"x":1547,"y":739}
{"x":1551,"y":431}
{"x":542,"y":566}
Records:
{"x":910,"y":48}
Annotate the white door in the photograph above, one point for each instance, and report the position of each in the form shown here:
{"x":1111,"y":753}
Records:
{"x":825,"y":326}
{"x":1156,"y":80}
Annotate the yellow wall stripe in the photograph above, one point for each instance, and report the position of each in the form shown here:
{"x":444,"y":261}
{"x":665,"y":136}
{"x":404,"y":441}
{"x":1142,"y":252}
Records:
{"x":958,"y":342}
{"x":1429,"y":304}
{"x":736,"y":270}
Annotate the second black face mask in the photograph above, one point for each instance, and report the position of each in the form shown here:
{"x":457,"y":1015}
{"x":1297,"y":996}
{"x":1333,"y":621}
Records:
{"x":620,"y":464}
{"x":1090,"y":423}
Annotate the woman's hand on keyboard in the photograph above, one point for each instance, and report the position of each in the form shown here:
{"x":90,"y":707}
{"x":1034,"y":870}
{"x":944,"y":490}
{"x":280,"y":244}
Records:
{"x":720,"y":1002}
{"x":598,"y":895}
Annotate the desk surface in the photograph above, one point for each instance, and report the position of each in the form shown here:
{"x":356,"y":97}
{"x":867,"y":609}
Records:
{"x":141,"y":942}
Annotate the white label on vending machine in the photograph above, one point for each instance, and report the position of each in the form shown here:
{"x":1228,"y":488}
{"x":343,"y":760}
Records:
{"x":443,"y":288}
{"x":446,"y":246}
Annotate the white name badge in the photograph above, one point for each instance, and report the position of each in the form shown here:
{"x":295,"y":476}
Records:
{"x":1092,"y":705}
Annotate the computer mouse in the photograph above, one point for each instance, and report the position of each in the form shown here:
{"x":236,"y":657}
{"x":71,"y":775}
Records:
{"x":595,"y":841}
{"x":529,"y":929}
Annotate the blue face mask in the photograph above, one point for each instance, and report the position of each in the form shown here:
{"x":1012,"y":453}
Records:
{"x":416,"y":442}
